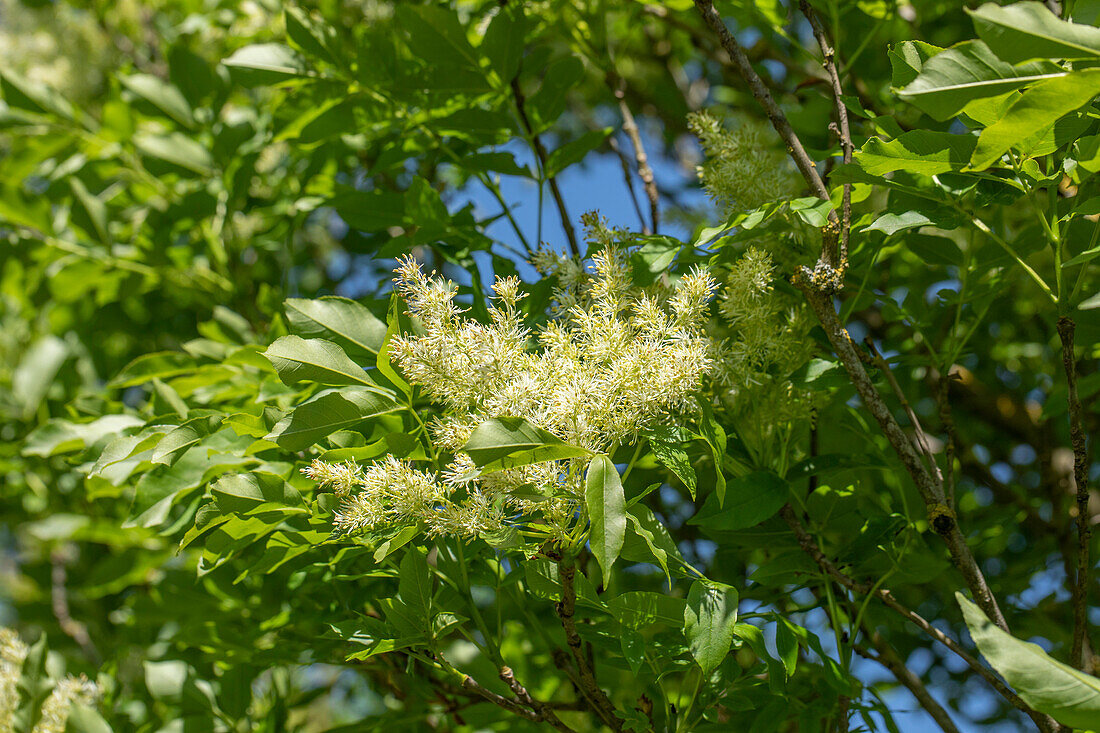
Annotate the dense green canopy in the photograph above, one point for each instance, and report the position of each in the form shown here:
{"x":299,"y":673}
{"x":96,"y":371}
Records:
{"x":628,"y":470}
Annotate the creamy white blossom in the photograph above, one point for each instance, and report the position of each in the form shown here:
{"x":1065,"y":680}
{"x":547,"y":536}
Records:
{"x":12,"y":653}
{"x":55,"y":711}
{"x":614,"y":361}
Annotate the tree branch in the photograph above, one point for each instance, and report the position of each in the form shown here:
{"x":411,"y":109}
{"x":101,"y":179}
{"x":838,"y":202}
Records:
{"x":1079,"y":441}
{"x":828,"y":54}
{"x":809,"y":546}
{"x":59,"y":598}
{"x":540,"y":151}
{"x":940,"y":515}
{"x":630,"y":127}
{"x":566,"y":609}
{"x":817,"y":285}
{"x":888,"y":658}
{"x":628,"y":178}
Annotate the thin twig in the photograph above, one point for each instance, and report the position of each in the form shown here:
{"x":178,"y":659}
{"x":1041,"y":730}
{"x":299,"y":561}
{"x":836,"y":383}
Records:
{"x":540,"y":151}
{"x":828,"y":54}
{"x":542,"y":710}
{"x":628,"y":178}
{"x":922,"y":441}
{"x":888,"y":658}
{"x":809,"y":546}
{"x":566,"y":609}
{"x":59,"y":597}
{"x":630,"y":127}
{"x":1066,"y":329}
{"x":941,"y":516}
{"x":760,"y":92}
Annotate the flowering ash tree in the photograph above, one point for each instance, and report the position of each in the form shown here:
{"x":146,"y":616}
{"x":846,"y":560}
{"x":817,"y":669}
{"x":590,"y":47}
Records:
{"x":802,"y":441}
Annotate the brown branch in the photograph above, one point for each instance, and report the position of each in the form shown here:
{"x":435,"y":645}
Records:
{"x":940,"y":515}
{"x":540,"y":152}
{"x":828,"y":54}
{"x":817,"y":286}
{"x":542,"y":710}
{"x":59,"y":598}
{"x":888,"y":658}
{"x":469,"y":683}
{"x":948,"y":422}
{"x":809,"y":546}
{"x":922,"y":442}
{"x":630,"y":127}
{"x":1079,"y":441}
{"x":566,"y":610}
{"x":628,"y":178}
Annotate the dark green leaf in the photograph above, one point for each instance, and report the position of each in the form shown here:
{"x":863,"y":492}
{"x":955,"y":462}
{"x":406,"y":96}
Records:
{"x":709,"y":619}
{"x":749,"y":501}
{"x":337,"y":319}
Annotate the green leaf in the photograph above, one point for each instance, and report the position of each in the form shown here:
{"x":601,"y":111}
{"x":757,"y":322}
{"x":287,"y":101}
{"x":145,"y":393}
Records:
{"x":437,"y":37}
{"x":508,"y":442}
{"x":812,"y":210}
{"x":968,"y":71}
{"x":180,"y":438}
{"x":327,"y":412}
{"x":504,"y":41}
{"x":337,"y":319}
{"x":907,"y":59}
{"x":749,"y":501}
{"x":311,"y":34}
{"x":1069,"y":696}
{"x":36,"y":371}
{"x":1036,"y":110}
{"x":648,"y":540}
{"x":1028,"y":30}
{"x":786,"y":644}
{"x":1090,"y":303}
{"x":709,"y":619}
{"x":919,"y":151}
{"x":603,"y":494}
{"x":162,"y":95}
{"x":159,"y":365}
{"x":633,"y":647}
{"x":675,"y":459}
{"x":415,"y":584}
{"x":315,"y":360}
{"x":575,"y":151}
{"x":641,"y":608}
{"x":715,"y":436}
{"x":62,"y":436}
{"x":393,"y":329}
{"x":241,"y":493}
{"x":894,"y":223}
{"x":85,"y":719}
{"x":175,"y":148}
{"x":266,"y":63}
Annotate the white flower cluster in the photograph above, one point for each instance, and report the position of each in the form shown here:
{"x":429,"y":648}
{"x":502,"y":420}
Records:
{"x":769,"y":340}
{"x":744,"y":168}
{"x":614,"y":361}
{"x":55,"y":710}
{"x":12,"y":653}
